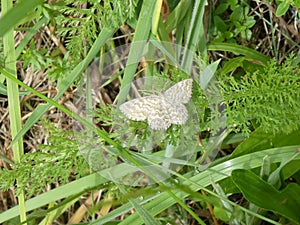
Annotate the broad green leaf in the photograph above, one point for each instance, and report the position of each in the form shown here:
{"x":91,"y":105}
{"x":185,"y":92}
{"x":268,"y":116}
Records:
{"x":260,"y":140}
{"x":205,"y":178}
{"x":220,"y":24}
{"x":237,"y":15}
{"x":232,"y":64}
{"x":208,"y":74}
{"x":221,"y":8}
{"x":282,"y":8}
{"x":291,"y":169}
{"x":297,"y":3}
{"x":251,"y":67}
{"x":233,"y":4}
{"x":285,"y":202}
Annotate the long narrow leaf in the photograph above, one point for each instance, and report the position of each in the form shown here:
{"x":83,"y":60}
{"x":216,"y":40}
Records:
{"x":161,"y":201}
{"x":13,"y":99}
{"x":239,"y":50}
{"x":141,"y":35}
{"x":216,"y":173}
{"x":15,"y":15}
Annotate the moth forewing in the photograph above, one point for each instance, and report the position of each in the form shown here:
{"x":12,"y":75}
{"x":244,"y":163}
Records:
{"x":161,"y":110}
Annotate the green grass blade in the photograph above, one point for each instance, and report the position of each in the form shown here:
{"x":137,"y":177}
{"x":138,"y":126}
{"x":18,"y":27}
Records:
{"x":52,"y":216}
{"x":160,"y":201}
{"x":67,"y":81}
{"x":30,"y":35}
{"x":13,"y":98}
{"x":239,"y":50}
{"x":89,"y":125}
{"x":215,"y":174}
{"x":84,"y":184}
{"x":146,"y":217}
{"x":177,"y":15}
{"x":195,"y":36}
{"x":15,"y":15}
{"x":142,"y":31}
{"x":3,"y":90}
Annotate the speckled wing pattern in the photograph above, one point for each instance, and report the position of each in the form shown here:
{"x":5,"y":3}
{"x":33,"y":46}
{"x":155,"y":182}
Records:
{"x":161,"y":110}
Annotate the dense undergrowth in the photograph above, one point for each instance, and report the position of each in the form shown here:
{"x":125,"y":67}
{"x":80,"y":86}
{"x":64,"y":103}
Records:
{"x":79,"y":159}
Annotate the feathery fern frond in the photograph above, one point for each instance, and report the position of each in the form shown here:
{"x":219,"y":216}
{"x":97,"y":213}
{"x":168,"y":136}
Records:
{"x":269,"y":97}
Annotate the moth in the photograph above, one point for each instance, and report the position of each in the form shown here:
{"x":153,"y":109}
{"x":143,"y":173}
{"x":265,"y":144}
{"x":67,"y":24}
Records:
{"x":163,"y":109}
